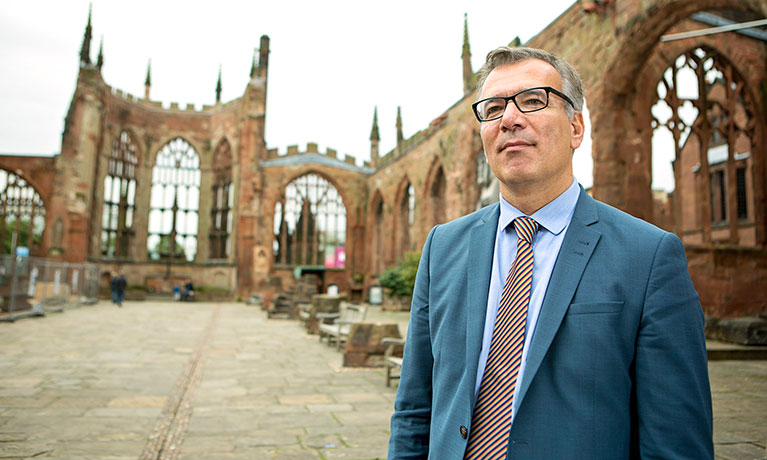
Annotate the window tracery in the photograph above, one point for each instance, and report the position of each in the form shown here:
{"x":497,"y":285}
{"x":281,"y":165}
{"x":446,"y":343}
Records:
{"x":221,"y":211}
{"x":22,"y":214}
{"x":406,"y":216}
{"x":437,"y":195}
{"x":310,"y":224}
{"x":119,"y":197}
{"x":703,"y":125}
{"x":174,"y":202}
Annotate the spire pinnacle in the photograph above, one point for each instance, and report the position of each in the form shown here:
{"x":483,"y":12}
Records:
{"x":374,"y":136}
{"x":399,"y":126}
{"x":374,"y":140}
{"x":85,"y":49}
{"x":263,"y":57}
{"x":218,"y":86}
{"x":100,"y":58}
{"x":468,"y":75}
{"x":253,"y":64}
{"x":148,"y":81}
{"x":466,"y":48}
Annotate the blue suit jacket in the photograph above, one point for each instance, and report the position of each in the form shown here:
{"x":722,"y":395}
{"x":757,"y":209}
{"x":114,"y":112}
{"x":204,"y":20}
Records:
{"x":617,"y":365}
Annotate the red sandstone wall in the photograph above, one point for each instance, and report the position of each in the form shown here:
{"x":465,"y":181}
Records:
{"x":731,"y":282}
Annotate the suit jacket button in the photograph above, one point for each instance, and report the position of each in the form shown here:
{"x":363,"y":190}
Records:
{"x":464,"y":432}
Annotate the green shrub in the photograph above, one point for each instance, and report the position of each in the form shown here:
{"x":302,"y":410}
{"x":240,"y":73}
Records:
{"x":400,"y":280}
{"x":391,"y":280}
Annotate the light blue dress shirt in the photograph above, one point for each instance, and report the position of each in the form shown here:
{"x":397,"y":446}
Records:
{"x":553,"y":220}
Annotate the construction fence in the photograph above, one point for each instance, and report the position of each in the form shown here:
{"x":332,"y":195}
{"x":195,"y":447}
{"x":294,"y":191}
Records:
{"x":33,"y":285}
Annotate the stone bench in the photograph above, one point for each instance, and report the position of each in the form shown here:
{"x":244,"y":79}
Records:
{"x":365,"y":348}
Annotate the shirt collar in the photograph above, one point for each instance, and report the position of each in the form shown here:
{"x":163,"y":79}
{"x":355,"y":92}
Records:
{"x":554,"y":217}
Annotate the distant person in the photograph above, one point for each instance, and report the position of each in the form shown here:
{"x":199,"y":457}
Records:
{"x":549,"y":326}
{"x":188,"y":291}
{"x":118,"y":289}
{"x":176,"y":293}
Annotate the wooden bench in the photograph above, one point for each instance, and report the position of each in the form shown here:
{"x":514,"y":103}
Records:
{"x":281,"y":307}
{"x":342,"y":321}
{"x":304,"y":312}
{"x":321,"y":303}
{"x":392,"y":357}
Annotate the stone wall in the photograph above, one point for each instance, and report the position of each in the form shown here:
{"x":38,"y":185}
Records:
{"x":730,"y":281}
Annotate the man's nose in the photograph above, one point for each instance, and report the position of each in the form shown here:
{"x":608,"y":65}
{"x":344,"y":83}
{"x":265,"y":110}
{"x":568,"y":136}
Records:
{"x":512,"y":117}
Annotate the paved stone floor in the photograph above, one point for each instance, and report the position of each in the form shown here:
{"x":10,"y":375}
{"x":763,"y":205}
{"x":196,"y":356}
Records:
{"x":158,"y":380}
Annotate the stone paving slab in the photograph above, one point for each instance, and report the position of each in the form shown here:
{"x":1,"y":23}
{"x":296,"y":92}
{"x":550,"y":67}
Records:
{"x":228,"y":383}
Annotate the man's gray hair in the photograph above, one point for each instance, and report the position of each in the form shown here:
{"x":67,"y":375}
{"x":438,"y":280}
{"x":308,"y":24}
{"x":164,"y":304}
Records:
{"x":572,"y":85}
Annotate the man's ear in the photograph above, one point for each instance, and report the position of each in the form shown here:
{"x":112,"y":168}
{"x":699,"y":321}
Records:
{"x":577,"y":130}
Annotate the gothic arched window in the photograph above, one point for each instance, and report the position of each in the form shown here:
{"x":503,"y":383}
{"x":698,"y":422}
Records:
{"x":405,"y":220}
{"x":119,"y":197}
{"x":22,"y":214}
{"x":174,"y":202}
{"x":221,"y":212}
{"x":310,"y":224}
{"x":375,"y":235}
{"x":437,"y":197}
{"x":703,"y":139}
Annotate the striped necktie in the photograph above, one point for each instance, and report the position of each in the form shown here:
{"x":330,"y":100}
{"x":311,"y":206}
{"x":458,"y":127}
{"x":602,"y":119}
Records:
{"x":491,"y":423}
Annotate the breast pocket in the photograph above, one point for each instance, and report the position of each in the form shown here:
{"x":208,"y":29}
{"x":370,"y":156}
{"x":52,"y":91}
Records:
{"x":588,"y":308}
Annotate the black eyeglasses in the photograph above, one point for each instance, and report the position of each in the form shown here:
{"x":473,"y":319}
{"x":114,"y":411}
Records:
{"x":527,"y":100}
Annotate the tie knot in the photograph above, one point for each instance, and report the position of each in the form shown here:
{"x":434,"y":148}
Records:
{"x":526,"y":228}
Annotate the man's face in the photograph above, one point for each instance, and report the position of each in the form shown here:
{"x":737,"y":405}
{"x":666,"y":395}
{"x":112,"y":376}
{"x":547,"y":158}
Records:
{"x":530,"y":152}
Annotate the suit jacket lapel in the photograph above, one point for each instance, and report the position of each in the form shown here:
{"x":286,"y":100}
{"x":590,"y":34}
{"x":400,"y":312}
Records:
{"x":479,"y":268}
{"x":577,"y":247}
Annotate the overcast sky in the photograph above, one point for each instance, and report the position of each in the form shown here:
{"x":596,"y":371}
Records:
{"x":331,"y":62}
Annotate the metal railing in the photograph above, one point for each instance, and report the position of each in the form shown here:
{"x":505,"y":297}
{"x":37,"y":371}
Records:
{"x":31,"y":286}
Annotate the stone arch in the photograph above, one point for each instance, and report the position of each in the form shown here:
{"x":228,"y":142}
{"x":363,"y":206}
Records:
{"x":475,"y":171}
{"x":225,"y":140}
{"x":22,"y":214}
{"x":151,"y":158}
{"x":376,"y":223}
{"x":223,"y":152}
{"x":621,"y":173}
{"x":131,"y":133}
{"x":222,"y":206}
{"x":712,"y":146}
{"x":39,"y":182}
{"x":271,"y":200}
{"x":404,"y":215}
{"x":310,"y":170}
{"x":484,"y":183}
{"x":118,"y":195}
{"x":310,"y":223}
{"x":434,"y":199}
{"x":174,"y":206}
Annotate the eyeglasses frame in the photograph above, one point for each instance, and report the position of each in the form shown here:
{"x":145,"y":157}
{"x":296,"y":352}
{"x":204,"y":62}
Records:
{"x":513,"y":98}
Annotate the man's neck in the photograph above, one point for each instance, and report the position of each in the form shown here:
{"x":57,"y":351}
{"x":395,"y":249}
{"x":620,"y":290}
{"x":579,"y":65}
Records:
{"x":530,"y":199}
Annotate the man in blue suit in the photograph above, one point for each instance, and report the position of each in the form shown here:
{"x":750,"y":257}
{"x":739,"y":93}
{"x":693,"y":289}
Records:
{"x":604,"y":355}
